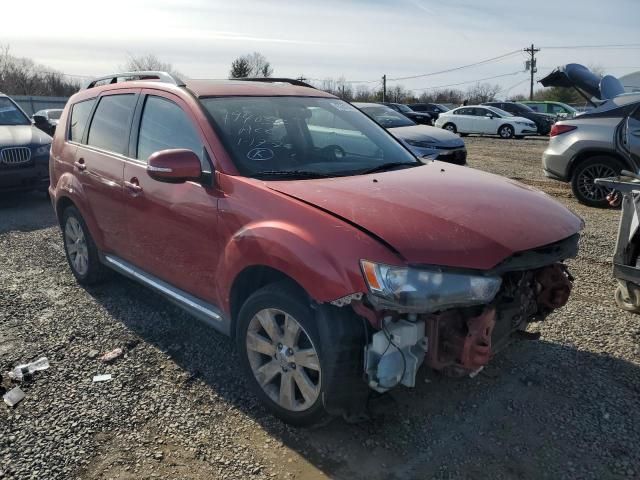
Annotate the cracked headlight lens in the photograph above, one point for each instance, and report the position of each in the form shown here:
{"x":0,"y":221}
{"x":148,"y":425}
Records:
{"x":428,"y":290}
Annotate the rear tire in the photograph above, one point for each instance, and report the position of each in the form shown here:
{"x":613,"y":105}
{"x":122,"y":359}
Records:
{"x":506,"y":131}
{"x":582,"y":180}
{"x":80,"y":249}
{"x":450,"y":127}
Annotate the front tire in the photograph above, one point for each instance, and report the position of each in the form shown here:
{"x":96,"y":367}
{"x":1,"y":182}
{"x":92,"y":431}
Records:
{"x":80,"y":249}
{"x":506,"y":131}
{"x":281,"y":353}
{"x":582,"y":181}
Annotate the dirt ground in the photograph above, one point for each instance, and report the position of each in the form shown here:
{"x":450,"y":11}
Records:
{"x":566,"y":406}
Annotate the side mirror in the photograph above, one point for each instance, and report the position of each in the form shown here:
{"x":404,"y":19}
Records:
{"x":174,"y":166}
{"x":490,"y":115}
{"x":39,"y":119}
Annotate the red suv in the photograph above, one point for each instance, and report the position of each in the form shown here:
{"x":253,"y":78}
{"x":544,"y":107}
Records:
{"x":291,"y":221}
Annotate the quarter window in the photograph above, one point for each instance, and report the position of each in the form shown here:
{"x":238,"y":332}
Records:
{"x":110,"y":125}
{"x":165,"y":126}
{"x":79,"y":117}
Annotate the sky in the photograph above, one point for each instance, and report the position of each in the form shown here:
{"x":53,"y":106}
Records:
{"x":357,"y":39}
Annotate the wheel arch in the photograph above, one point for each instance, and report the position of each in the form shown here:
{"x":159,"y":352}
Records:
{"x":251,"y":279}
{"x":585,"y":155}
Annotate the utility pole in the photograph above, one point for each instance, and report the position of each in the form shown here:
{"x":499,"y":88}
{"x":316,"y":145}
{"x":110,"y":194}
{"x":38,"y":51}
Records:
{"x":301,"y":78}
{"x":532,"y":66}
{"x":384,"y":88}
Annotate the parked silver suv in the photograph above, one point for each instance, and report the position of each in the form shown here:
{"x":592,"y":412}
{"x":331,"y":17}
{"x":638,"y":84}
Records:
{"x":599,"y":143}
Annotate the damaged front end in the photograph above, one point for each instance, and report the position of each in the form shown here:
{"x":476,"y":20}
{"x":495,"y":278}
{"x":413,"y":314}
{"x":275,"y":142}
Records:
{"x":456,"y":321}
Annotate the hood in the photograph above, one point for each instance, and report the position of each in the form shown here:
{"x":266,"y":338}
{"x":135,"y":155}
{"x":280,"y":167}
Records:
{"x":419,"y":114}
{"x":515,"y":118}
{"x":426,"y":133}
{"x":442,"y":214}
{"x":579,"y":76}
{"x":22,"y":135}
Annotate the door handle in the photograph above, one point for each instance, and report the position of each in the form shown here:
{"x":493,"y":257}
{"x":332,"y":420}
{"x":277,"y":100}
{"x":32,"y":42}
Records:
{"x":133,"y":186}
{"x":80,"y":165}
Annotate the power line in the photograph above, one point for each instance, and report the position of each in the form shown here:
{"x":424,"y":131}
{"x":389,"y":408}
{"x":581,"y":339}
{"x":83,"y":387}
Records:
{"x":482,"y":62}
{"x":469,"y":81}
{"x":620,"y":45}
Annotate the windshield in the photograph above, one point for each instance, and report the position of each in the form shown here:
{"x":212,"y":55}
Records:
{"x":442,"y":107}
{"x":500,"y":112}
{"x":403,"y":108}
{"x":302,"y":136}
{"x":386,"y":117}
{"x":522,"y":107}
{"x":10,"y":114}
{"x":54,"y":114}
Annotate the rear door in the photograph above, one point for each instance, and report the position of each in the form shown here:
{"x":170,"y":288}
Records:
{"x":171,"y":227}
{"x":100,"y":159}
{"x":463,"y":118}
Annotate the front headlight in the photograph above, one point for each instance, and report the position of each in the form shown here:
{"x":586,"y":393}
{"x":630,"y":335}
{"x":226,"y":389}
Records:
{"x":422,"y":143}
{"x":428,"y":290}
{"x":42,"y":150}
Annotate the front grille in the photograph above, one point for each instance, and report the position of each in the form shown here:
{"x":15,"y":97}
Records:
{"x":15,"y":156}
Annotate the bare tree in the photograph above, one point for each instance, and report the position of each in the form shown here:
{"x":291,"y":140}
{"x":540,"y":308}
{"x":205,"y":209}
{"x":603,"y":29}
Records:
{"x":141,"y":63}
{"x":22,"y":76}
{"x":251,"y":65}
{"x":482,"y":92}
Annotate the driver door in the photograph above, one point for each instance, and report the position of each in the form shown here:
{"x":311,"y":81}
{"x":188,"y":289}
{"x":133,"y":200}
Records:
{"x":483,"y":123}
{"x":631,"y":136}
{"x":171,"y":227}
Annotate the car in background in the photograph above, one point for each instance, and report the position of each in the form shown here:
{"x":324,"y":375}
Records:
{"x":543,"y":121}
{"x":422,"y":140}
{"x":422,"y":118}
{"x":599,"y":143}
{"x":485,"y":121}
{"x":289,"y":220}
{"x":24,"y":150}
{"x":433,"y":109}
{"x":47,"y":120}
{"x":558,"y":109}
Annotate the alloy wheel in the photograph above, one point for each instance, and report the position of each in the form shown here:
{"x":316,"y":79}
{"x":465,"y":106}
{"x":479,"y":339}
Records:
{"x":587,"y":186}
{"x":505,"y":132}
{"x":76,"y":245}
{"x":283,"y":359}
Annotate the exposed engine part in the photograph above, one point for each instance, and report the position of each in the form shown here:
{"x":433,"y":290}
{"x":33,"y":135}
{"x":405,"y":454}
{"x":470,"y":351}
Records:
{"x":347,"y":299}
{"x":395,"y":354}
{"x":554,"y":286}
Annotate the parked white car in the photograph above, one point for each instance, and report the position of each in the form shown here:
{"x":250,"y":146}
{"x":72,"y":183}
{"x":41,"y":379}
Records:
{"x":485,"y":120}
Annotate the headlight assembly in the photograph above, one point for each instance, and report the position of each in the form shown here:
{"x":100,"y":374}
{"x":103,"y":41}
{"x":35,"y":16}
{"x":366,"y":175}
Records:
{"x":427,"y":290}
{"x":42,"y":150}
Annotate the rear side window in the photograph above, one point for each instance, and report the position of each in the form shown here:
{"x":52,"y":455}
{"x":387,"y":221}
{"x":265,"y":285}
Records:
{"x":79,"y":117}
{"x":110,"y":125}
{"x":165,"y":125}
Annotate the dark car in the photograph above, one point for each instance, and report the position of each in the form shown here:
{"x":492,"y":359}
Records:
{"x":47,"y":120}
{"x":424,"y":141}
{"x":286,"y":218}
{"x":543,"y":121}
{"x":24,"y":150}
{"x":422,"y":118}
{"x":433,"y":109}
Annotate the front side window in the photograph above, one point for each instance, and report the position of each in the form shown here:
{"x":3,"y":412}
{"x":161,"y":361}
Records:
{"x":109,"y":128}
{"x":304,"y":136}
{"x":10,"y":114}
{"x":164,"y":126}
{"x":79,"y":117}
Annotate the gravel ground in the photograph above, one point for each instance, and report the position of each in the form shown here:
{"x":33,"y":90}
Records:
{"x":565,"y":406}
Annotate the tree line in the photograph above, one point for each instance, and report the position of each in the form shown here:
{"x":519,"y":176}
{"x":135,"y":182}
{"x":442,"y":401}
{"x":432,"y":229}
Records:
{"x":22,"y":76}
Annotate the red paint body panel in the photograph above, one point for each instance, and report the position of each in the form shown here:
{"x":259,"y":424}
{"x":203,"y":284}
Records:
{"x":199,"y":237}
{"x":443,"y":214}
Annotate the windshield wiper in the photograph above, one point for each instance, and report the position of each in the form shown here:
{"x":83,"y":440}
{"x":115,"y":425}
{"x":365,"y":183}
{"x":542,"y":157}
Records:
{"x":292,"y":173}
{"x":387,"y":166}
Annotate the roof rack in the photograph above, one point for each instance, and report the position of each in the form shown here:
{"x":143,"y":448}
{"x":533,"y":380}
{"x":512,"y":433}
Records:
{"x":291,"y":81}
{"x":163,"y":77}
